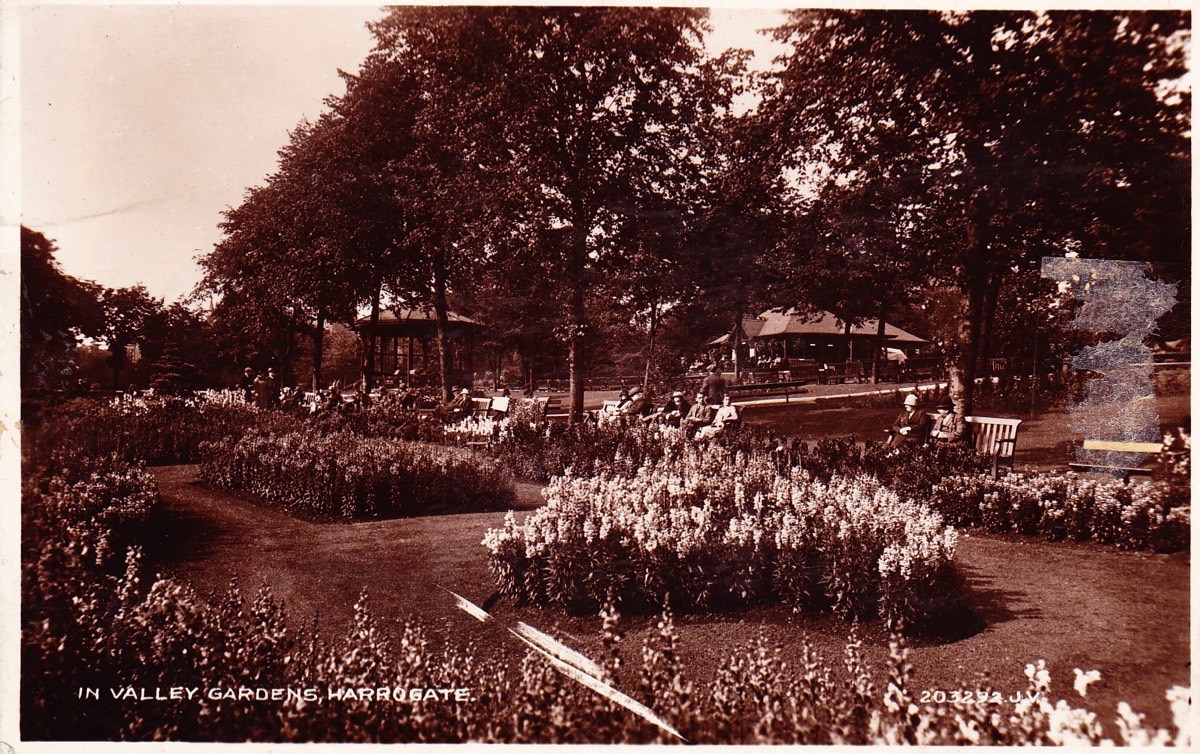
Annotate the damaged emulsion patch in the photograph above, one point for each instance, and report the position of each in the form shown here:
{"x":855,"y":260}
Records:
{"x":1121,"y":307}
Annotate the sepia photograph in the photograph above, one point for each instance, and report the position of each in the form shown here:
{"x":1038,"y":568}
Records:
{"x":543,"y":374}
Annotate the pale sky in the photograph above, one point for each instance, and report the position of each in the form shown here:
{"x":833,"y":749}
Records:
{"x":141,"y":123}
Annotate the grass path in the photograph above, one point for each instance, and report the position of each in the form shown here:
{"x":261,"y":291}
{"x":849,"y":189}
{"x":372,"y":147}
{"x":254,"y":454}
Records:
{"x":1125,"y":614}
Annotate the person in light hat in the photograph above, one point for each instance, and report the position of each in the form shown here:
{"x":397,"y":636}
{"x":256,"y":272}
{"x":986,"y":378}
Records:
{"x":947,"y":427}
{"x":908,"y":429}
{"x":675,"y":409}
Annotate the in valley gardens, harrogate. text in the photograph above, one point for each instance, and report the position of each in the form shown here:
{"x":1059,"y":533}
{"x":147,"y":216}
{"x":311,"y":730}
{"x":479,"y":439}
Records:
{"x":255,"y":694}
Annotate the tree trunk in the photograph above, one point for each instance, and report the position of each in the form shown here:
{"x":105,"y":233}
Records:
{"x":974,"y":280}
{"x":441,"y":316}
{"x":318,"y":349}
{"x":737,"y":347}
{"x":987,"y":324}
{"x":287,"y":351}
{"x":650,"y":345}
{"x":578,"y":323}
{"x":875,"y":352}
{"x":369,"y":372}
{"x":116,"y":362}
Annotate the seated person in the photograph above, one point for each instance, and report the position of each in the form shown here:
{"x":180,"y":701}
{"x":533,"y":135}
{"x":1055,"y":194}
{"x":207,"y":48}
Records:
{"x":406,"y":397}
{"x":330,"y":400}
{"x":909,"y":426}
{"x":948,"y":427}
{"x":637,"y":408}
{"x":610,"y":414}
{"x":699,"y":415}
{"x":458,"y":407}
{"x":727,"y":417}
{"x":675,"y":409}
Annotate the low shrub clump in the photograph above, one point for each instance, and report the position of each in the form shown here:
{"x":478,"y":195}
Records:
{"x":1141,"y":516}
{"x":541,"y":451}
{"x":344,"y":475}
{"x":380,"y":419}
{"x":155,"y":430}
{"x":707,"y":527}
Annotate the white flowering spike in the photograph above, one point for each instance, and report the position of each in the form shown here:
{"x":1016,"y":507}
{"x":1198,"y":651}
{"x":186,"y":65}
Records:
{"x":1083,"y":680}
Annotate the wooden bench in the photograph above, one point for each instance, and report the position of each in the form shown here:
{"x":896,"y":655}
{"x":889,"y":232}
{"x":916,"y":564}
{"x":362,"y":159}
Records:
{"x":765,"y":389}
{"x":547,"y":407}
{"x":481,"y":407}
{"x":1112,"y":446}
{"x":606,"y":410}
{"x":995,"y":438}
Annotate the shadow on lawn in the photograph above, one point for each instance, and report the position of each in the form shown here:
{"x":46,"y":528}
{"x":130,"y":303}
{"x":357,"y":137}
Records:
{"x":983,"y":605}
{"x":176,"y":536}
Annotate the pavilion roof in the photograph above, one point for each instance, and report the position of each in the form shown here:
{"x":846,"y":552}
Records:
{"x":401,"y":315}
{"x":774,"y":322}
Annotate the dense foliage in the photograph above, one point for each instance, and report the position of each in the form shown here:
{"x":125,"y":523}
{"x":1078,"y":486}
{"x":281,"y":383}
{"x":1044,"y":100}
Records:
{"x":1139,"y":516}
{"x":344,"y":475}
{"x":156,"y":430}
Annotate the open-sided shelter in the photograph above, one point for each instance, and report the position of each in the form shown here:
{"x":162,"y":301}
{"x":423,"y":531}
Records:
{"x":406,"y":342}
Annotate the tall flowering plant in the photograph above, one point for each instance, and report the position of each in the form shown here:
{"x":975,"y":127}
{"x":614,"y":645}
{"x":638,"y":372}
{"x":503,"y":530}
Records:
{"x":344,"y":475}
{"x":1153,"y":515}
{"x":710,"y":527}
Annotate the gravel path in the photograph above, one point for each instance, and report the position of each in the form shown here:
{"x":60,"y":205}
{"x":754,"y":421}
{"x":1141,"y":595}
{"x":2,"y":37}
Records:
{"x":1075,"y":605}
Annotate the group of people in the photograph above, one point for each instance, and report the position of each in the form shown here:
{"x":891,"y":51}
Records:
{"x":701,"y":420}
{"x":914,"y":427}
{"x":262,"y":390}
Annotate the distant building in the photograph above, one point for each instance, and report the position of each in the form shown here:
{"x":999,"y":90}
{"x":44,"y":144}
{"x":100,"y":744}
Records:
{"x":820,"y":337}
{"x":406,"y":341}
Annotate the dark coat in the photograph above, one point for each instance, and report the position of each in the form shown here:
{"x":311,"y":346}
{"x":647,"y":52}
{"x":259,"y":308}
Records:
{"x":916,"y":424}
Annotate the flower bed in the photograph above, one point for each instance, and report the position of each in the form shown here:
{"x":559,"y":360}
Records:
{"x":343,"y":475}
{"x":709,"y":527}
{"x":88,"y":625}
{"x":1139,"y":516}
{"x":156,"y":430}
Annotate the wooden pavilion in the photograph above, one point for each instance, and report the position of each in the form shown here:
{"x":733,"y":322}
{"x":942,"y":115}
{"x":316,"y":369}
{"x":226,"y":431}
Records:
{"x":788,"y":335}
{"x":406,"y":346}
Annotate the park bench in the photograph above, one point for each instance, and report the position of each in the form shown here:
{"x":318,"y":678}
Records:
{"x":605,"y":408}
{"x":547,"y":407}
{"x":1128,"y":448}
{"x":995,"y":438}
{"x":766,"y":389}
{"x":494,"y":408}
{"x":481,"y":407}
{"x":499,"y":406}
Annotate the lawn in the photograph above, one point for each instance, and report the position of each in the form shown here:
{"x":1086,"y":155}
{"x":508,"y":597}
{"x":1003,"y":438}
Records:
{"x":1074,"y":605}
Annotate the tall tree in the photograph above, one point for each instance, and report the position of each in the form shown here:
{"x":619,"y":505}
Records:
{"x":126,"y":314}
{"x":56,"y":309}
{"x":602,"y":103}
{"x":419,"y":107}
{"x":1022,"y":134}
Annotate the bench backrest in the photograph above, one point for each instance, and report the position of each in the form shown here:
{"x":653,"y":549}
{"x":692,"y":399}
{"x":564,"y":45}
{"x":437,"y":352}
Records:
{"x":1123,"y":447}
{"x":994,"y":436}
{"x":481,"y":406}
